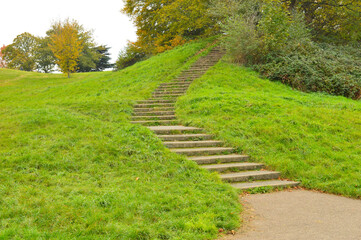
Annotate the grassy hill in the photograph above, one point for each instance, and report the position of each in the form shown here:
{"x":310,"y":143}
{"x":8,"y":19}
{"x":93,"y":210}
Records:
{"x":73,"y":167}
{"x":314,"y":138}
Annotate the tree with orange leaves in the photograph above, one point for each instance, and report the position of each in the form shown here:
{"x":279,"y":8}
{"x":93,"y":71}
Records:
{"x":66,"y":44}
{"x":162,"y":25}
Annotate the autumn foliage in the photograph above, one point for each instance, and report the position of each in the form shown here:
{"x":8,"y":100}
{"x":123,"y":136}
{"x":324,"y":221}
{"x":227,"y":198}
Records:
{"x":162,"y":25}
{"x":66,"y":45}
{"x":2,"y":60}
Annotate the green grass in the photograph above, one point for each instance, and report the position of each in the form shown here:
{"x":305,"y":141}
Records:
{"x":314,"y":138}
{"x":73,"y":167}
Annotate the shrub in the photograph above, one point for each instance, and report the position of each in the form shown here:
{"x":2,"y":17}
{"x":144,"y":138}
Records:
{"x":319,"y":67}
{"x":274,"y":39}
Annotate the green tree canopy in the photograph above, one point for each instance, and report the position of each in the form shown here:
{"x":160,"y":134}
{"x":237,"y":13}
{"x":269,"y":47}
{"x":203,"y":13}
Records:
{"x":44,"y":57}
{"x":337,"y":18}
{"x":21,"y":53}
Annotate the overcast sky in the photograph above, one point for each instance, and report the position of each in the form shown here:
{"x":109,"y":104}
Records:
{"x":110,"y":26}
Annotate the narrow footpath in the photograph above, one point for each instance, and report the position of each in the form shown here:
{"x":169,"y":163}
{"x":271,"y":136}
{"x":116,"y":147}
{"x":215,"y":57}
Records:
{"x":299,"y":215}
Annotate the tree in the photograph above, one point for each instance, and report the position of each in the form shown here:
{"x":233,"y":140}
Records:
{"x":338,"y":18}
{"x":66,"y":43}
{"x":130,"y":55}
{"x":87,"y":60}
{"x":21,"y":53}
{"x":2,"y":59}
{"x":162,"y":25}
{"x":103,"y":62}
{"x":94,"y":59}
{"x":44,"y":57}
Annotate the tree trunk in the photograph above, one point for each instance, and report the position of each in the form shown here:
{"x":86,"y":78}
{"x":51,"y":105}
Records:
{"x":68,"y":74}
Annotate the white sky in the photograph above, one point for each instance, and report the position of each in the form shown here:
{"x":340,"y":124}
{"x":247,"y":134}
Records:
{"x":110,"y":26}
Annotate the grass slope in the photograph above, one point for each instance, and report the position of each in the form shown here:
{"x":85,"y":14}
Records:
{"x":313,"y":138}
{"x":73,"y":167}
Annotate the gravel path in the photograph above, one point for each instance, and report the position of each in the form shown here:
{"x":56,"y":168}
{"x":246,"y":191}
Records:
{"x":300,"y":215}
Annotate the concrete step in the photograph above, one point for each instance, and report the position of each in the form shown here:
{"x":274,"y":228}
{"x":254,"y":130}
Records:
{"x":144,"y":105}
{"x":155,"y":122}
{"x":175,"y":88}
{"x":172,"y":87}
{"x":150,"y":109}
{"x":162,"y":117}
{"x":181,"y":83}
{"x":202,"y":151}
{"x":220,"y":159}
{"x":173,"y":129}
{"x":155,"y":101}
{"x":249,"y":176}
{"x":243,"y":166}
{"x":154,"y":113}
{"x":169,"y":92}
{"x":164,"y":98}
{"x":271,"y":183}
{"x":196,"y":71}
{"x":193,"y":144}
{"x":185,"y":137}
{"x":188,"y":77}
{"x":174,"y":84}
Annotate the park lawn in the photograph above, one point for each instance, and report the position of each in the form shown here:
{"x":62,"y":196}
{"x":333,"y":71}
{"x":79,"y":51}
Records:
{"x":73,"y":167}
{"x":311,"y":137}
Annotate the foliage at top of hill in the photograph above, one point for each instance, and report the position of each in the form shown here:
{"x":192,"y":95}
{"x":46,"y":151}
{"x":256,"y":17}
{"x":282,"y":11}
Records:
{"x":276,"y":37}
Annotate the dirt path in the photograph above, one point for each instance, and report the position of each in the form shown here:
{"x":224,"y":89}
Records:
{"x":300,"y":215}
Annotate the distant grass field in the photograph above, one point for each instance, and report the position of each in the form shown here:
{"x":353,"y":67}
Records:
{"x":314,"y":138}
{"x":73,"y":167}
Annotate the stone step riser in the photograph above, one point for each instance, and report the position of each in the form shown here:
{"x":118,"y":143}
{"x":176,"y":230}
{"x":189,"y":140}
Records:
{"x":154,"y":117}
{"x":194,"y":152}
{"x":185,"y":137}
{"x":154,"y":105}
{"x":170,"y":131}
{"x":169,"y":92}
{"x":177,"y":88}
{"x":172,"y":88}
{"x":152,"y":109}
{"x":164,"y":98}
{"x":173,"y":83}
{"x":154,"y":113}
{"x":193,"y":144}
{"x":258,"y":184}
{"x":156,"y":122}
{"x":154,"y":101}
{"x":220,"y":159}
{"x":188,"y":76}
{"x":194,"y":72}
{"x":183,"y":81}
{"x":167,"y":95}
{"x":255,"y":177}
{"x":236,"y":167}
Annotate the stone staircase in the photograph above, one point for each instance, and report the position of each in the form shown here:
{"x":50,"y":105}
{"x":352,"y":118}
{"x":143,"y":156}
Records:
{"x":158,"y":114}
